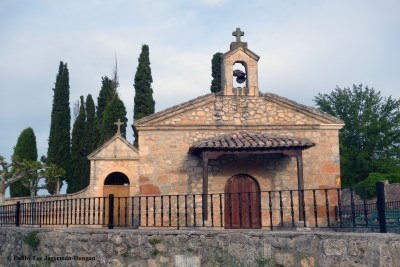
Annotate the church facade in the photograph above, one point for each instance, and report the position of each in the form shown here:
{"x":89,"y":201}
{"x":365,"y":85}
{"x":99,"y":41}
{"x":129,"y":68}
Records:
{"x":237,"y":141}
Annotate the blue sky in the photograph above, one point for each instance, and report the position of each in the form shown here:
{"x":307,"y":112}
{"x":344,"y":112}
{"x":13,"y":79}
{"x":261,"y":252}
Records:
{"x":305,"y":47}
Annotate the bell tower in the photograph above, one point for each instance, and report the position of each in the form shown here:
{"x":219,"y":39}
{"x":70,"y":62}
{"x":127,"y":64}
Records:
{"x":239,"y":69}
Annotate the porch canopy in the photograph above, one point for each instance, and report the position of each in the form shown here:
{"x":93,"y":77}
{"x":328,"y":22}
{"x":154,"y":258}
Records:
{"x":251,"y":143}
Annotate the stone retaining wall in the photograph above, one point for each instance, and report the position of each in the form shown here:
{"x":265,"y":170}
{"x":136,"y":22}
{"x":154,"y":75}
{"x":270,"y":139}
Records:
{"x":124,"y":247}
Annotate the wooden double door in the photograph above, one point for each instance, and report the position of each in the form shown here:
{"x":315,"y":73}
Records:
{"x":242,"y":203}
{"x":120,"y":192}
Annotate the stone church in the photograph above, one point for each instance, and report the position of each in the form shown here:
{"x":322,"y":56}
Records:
{"x":239,"y":140}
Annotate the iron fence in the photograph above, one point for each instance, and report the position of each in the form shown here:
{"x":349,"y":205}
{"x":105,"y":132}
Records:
{"x":282,"y":209}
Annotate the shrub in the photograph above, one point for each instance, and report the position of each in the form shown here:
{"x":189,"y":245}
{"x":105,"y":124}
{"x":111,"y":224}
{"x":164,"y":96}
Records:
{"x":154,"y":240}
{"x":369,"y":184}
{"x":32,"y":239}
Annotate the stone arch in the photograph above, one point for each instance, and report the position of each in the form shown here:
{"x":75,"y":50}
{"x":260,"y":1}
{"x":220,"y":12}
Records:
{"x":117,"y":184}
{"x":116,"y":178}
{"x":241,"y":65}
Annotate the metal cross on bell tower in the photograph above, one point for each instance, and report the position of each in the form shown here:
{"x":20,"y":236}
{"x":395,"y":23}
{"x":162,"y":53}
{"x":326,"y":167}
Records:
{"x":238,"y":33}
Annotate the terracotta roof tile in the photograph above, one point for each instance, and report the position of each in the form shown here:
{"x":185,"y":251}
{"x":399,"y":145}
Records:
{"x":250,"y":140}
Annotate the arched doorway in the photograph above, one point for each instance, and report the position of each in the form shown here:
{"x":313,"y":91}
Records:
{"x":242,"y":202}
{"x":116,"y":178}
{"x":117,"y":183}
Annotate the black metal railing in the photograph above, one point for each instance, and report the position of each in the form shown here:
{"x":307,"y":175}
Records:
{"x":265,"y":209}
{"x":366,"y":215}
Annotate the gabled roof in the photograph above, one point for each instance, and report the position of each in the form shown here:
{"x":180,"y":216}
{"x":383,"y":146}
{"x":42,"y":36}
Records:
{"x":174,"y":109}
{"x":202,"y":100}
{"x":113,"y":139}
{"x":245,"y":50}
{"x":302,"y":108}
{"x":248,"y":140}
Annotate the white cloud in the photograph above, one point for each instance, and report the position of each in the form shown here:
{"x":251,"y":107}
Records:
{"x":214,"y":2}
{"x":305,"y":47}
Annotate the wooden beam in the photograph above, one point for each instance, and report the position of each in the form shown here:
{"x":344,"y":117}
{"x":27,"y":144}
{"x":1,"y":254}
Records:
{"x":300,"y":185}
{"x":216,"y":154}
{"x":205,"y":187}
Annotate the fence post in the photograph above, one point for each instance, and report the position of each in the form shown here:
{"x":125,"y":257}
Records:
{"x":17,"y":213}
{"x":111,"y":211}
{"x":380,"y":206}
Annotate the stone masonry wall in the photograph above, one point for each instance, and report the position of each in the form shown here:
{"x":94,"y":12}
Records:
{"x":167,"y":168}
{"x":94,"y":247}
{"x":164,"y":158}
{"x":236,"y":110}
{"x":80,"y":194}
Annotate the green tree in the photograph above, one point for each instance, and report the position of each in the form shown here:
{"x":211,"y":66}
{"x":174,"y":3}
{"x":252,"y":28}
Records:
{"x":52,"y":174}
{"x":9,"y":174}
{"x":143,"y":101}
{"x":370,"y":139}
{"x":107,"y":91}
{"x":78,"y":179}
{"x":90,"y":132}
{"x":33,"y":171}
{"x":367,"y":187}
{"x":24,"y":149}
{"x":216,"y":69}
{"x":59,"y":152}
{"x":115,"y":110}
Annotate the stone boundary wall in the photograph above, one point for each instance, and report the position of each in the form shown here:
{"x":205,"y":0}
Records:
{"x":392,"y":193}
{"x":80,"y":194}
{"x":126,"y":247}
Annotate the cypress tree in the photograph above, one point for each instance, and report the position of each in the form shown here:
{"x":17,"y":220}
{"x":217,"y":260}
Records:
{"x":115,"y":110}
{"x":90,"y":133}
{"x":107,"y":91}
{"x":216,"y":69}
{"x":24,"y":149}
{"x":90,"y":126}
{"x":59,"y":152}
{"x":143,"y":101}
{"x":78,"y":179}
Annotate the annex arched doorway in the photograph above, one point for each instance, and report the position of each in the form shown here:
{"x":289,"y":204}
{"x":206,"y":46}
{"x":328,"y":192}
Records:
{"x":117,"y":183}
{"x":242,"y":203}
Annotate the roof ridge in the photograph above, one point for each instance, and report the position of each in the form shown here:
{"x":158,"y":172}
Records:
{"x":304,"y":107}
{"x":173,"y":108}
{"x":109,"y":141}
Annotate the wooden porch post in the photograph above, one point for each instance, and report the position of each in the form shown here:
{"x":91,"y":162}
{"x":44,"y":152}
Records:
{"x":300,"y":185}
{"x":205,"y":187}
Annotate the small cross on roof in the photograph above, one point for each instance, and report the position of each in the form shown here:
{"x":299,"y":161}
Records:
{"x":119,"y":124}
{"x":238,"y":33}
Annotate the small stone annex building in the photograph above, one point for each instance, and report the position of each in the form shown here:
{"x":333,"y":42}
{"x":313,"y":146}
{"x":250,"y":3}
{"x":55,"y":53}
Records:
{"x":238,"y":140}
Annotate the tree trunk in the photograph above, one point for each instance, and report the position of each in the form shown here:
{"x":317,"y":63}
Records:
{"x":2,"y":198}
{"x":32,"y":188}
{"x":58,"y":187}
{"x":33,"y":196}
